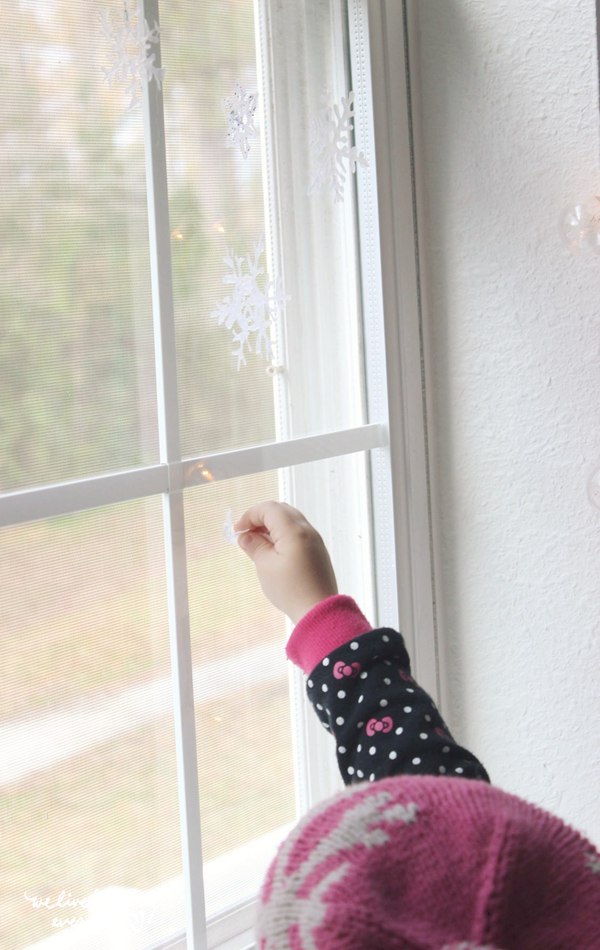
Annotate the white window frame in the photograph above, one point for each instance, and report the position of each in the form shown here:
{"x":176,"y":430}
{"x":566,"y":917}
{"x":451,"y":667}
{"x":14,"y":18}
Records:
{"x":395,"y":433}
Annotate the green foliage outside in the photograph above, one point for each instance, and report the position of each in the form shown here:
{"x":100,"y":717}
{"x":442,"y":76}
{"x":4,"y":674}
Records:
{"x":77,"y":374}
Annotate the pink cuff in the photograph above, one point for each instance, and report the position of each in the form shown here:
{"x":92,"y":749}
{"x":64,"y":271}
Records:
{"x":329,"y":625}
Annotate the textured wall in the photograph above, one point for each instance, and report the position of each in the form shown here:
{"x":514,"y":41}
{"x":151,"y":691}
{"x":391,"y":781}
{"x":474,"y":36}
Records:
{"x":510,"y":132}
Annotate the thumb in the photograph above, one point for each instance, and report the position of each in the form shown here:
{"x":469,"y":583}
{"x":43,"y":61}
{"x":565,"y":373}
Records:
{"x":253,"y":543}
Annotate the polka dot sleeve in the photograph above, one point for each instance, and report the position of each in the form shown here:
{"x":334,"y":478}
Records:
{"x":383,"y":722}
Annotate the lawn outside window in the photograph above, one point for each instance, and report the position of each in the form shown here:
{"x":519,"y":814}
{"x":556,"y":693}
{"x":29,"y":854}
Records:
{"x":157,"y":746}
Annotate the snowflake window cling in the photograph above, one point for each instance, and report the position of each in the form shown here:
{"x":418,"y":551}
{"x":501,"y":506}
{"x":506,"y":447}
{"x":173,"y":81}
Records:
{"x":228,"y":531}
{"x":232,"y":536}
{"x":130,"y":40}
{"x":252,"y":309}
{"x":330,"y":146}
{"x":240,"y":109}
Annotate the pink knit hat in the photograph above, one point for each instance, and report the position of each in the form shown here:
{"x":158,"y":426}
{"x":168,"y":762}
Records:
{"x":431,"y":863}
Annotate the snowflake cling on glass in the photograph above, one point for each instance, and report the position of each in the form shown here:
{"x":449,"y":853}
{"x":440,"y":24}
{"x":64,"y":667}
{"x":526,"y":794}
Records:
{"x":252,"y":309}
{"x":240,"y":109}
{"x":330,"y":146}
{"x":230,"y":534}
{"x":131,"y":60}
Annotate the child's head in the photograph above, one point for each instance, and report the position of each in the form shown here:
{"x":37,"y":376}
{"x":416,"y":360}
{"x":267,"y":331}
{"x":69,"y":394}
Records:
{"x":430,"y":863}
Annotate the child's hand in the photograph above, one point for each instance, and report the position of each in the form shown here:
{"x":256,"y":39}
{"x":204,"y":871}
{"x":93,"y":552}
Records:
{"x":292,"y":563}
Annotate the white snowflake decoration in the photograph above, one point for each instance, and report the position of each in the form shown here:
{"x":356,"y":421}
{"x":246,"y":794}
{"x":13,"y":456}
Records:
{"x":240,"y":109}
{"x":228,"y":531}
{"x":330,"y":146}
{"x":130,"y":39}
{"x":252,"y":309}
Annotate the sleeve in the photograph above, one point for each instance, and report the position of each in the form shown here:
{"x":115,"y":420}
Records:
{"x":383,"y":723}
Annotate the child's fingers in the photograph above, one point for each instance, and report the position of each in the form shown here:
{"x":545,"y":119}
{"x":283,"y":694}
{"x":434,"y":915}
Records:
{"x":275,"y":516}
{"x":261,"y":532}
{"x":254,"y":542}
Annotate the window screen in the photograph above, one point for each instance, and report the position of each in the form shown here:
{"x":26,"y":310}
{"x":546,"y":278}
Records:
{"x":128,"y":228}
{"x":77,"y":391}
{"x":88,"y":785}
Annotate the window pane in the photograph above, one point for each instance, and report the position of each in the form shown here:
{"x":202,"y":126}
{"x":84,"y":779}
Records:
{"x":88,"y":786}
{"x":216,"y":204}
{"x":76,"y":350}
{"x":241,"y":680}
{"x":243,"y":705}
{"x":217,"y":200}
{"x":306,"y":62}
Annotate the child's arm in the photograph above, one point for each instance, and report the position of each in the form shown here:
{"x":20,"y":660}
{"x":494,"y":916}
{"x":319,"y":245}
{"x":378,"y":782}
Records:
{"x":358,"y":679}
{"x":384,"y":723}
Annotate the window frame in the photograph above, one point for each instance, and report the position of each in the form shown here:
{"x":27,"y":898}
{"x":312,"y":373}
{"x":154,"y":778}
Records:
{"x":385,"y":34}
{"x":395,"y":433}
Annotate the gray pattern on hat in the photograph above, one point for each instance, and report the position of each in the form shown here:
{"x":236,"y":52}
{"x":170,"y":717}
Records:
{"x":355,"y":827}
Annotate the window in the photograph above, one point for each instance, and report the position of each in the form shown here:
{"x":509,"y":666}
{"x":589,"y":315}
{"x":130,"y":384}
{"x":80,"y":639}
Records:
{"x":155,"y":745}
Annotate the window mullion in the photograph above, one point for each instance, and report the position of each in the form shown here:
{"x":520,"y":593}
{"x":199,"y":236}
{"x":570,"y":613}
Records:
{"x":173,"y":507}
{"x":278,"y":455}
{"x":63,"y":498}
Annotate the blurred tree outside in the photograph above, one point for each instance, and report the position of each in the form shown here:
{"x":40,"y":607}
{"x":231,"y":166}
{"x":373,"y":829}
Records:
{"x":76,"y":345}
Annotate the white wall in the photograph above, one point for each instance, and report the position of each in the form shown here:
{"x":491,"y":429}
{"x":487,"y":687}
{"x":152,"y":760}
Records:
{"x":509,"y":132}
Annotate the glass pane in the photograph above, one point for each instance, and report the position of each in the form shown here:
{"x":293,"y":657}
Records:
{"x":306,"y":65}
{"x":77,"y":389}
{"x":88,"y":785}
{"x":244,"y":731}
{"x":216,"y":204}
{"x":217,"y":200}
{"x":241,"y":683}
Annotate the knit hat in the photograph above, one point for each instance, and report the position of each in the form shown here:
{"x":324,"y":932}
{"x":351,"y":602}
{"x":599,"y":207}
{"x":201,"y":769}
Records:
{"x":430,"y":863}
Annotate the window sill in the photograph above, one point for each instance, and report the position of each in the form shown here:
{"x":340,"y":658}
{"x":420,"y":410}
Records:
{"x":231,"y":885}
